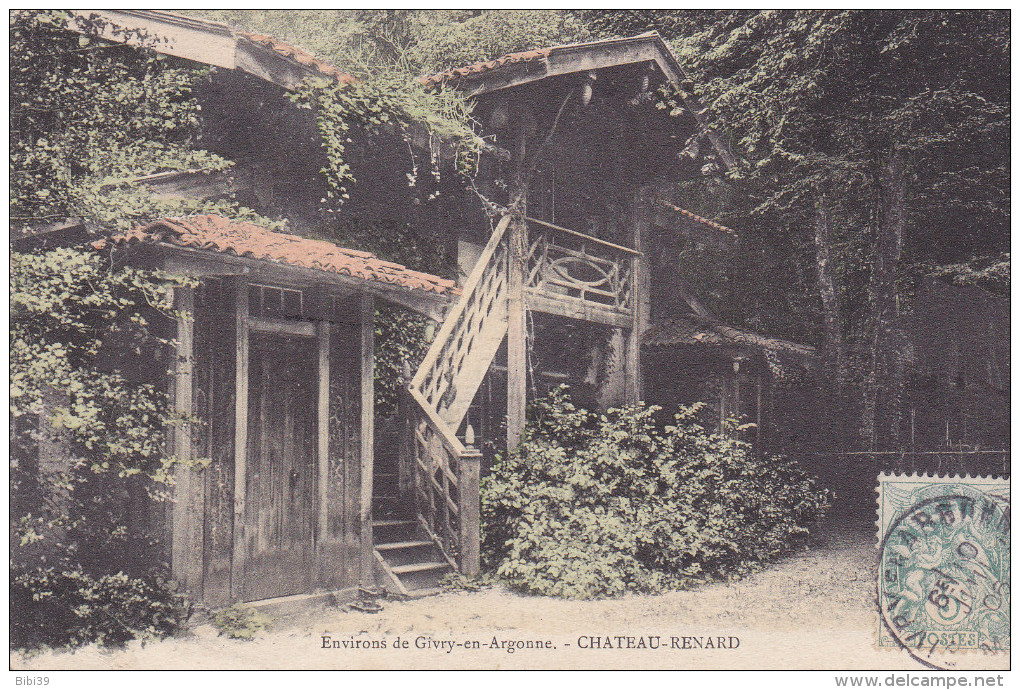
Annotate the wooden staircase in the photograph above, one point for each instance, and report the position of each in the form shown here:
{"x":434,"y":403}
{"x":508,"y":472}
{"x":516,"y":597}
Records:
{"x":459,"y":357}
{"x":566,"y":273}
{"x":409,"y":562}
{"x":414,"y":551}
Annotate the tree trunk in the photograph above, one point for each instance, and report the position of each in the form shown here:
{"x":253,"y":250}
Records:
{"x":883,"y":387}
{"x":834,"y":345}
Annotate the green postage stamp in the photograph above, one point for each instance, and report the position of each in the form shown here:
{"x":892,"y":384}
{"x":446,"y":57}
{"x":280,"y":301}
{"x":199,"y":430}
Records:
{"x":943,"y":578}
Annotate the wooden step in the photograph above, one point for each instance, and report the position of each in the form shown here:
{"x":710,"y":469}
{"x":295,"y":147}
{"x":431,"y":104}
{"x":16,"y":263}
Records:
{"x":393,"y":530}
{"x":403,"y":545}
{"x":419,"y":567}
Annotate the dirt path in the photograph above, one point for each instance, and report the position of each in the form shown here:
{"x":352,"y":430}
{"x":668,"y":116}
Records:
{"x":811,"y":610}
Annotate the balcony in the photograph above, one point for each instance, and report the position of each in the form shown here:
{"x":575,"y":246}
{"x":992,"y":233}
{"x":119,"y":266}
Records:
{"x":579,"y":276}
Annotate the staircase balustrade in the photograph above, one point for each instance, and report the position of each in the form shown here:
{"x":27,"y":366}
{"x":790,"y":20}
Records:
{"x":446,"y":472}
{"x":563,"y":266}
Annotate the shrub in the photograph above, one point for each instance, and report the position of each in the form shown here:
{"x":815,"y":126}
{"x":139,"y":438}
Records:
{"x":53,"y":607}
{"x":598,"y":505}
{"x":240,"y":622}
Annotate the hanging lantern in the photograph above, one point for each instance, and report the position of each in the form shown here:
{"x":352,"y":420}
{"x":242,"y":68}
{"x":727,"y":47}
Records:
{"x":587,"y":89}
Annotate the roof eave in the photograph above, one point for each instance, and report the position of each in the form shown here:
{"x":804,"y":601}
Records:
{"x":199,"y":40}
{"x":199,"y":263}
{"x":577,"y":57}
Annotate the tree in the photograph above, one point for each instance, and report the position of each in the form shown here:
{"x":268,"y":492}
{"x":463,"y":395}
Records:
{"x":875,"y":150}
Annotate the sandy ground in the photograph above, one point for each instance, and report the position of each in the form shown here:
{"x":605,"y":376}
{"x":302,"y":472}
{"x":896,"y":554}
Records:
{"x":813,"y":610}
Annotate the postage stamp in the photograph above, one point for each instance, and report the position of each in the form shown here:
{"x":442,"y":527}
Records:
{"x":944,"y":566}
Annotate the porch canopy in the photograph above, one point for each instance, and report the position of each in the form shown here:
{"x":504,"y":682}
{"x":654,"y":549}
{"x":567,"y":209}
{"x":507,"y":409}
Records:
{"x":211,"y":244}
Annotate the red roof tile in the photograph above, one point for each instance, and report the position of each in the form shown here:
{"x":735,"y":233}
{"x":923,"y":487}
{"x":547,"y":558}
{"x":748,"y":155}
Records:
{"x":298,"y":55}
{"x":219,"y":234}
{"x":700,"y":219}
{"x":487,"y":66}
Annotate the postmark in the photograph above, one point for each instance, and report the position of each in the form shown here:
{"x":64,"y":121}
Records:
{"x":944,"y":567}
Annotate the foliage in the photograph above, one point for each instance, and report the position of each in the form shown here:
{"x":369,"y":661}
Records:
{"x":454,"y":39}
{"x":60,"y":607}
{"x":386,"y":104}
{"x":598,"y":505}
{"x":84,"y":385}
{"x":90,"y":338}
{"x":68,"y":306}
{"x":401,"y":337}
{"x":241,"y":622}
{"x":455,"y":582}
{"x":411,"y":43}
{"x":89,"y":118}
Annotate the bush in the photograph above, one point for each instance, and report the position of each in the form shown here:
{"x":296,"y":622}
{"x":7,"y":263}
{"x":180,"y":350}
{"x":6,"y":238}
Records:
{"x":598,"y":505}
{"x":240,"y":622}
{"x":62,"y":607}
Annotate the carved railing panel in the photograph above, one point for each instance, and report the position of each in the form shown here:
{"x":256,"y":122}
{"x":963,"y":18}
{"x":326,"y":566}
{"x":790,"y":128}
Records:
{"x":482,"y":305}
{"x":446,"y":485}
{"x":565,"y":265}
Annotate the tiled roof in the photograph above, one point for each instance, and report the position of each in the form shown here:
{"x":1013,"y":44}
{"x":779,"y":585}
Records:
{"x":298,"y":55}
{"x":224,"y":236}
{"x":700,"y":219}
{"x":784,"y":358}
{"x":486,"y":66}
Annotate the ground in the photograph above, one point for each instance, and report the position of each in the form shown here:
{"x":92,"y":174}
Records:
{"x":814,"y":609}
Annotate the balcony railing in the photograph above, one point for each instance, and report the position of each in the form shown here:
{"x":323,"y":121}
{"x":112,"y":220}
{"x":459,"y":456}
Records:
{"x":575,"y":274}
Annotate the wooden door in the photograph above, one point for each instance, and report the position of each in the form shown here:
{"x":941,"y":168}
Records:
{"x":280,"y":506}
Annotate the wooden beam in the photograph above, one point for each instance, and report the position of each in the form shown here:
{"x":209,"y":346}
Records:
{"x":613,"y":384}
{"x":574,"y":308}
{"x":470,"y":511}
{"x":189,"y":504}
{"x":322,"y":432}
{"x":641,"y":275}
{"x":292,"y":327}
{"x":239,"y":560}
{"x":367,"y":436}
{"x":517,"y":315}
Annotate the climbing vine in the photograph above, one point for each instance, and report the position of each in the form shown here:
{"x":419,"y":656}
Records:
{"x":441,"y":120}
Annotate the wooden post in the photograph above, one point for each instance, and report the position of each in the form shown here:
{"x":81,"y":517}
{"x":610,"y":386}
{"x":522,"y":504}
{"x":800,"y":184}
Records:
{"x":737,"y":411}
{"x":517,"y":318}
{"x":367,"y":436}
{"x":240,"y":554}
{"x":641,"y":299}
{"x":322,"y":430}
{"x":189,"y":504}
{"x":470,"y":508}
{"x":613,"y":384}
{"x":405,"y":458}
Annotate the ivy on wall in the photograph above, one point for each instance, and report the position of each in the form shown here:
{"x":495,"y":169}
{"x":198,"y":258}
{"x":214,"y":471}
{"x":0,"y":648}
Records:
{"x":394,"y":105}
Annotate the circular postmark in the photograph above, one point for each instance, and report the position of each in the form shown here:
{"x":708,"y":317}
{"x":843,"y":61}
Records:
{"x":943,"y":585}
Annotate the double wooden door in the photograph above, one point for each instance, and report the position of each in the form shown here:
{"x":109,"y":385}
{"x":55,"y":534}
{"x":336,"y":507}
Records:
{"x":280,"y":508}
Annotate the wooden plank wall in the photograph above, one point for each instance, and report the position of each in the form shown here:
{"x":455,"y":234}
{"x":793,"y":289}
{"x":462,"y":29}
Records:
{"x":186,"y":563}
{"x":342,"y":547}
{"x":215,"y":344}
{"x":216,"y":568}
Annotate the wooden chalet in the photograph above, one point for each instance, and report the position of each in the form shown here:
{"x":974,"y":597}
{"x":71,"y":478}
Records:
{"x":737,"y":374}
{"x":275,"y":347}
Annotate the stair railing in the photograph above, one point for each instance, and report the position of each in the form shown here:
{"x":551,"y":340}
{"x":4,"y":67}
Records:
{"x":484,"y":292}
{"x":446,"y":476}
{"x":446,"y":472}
